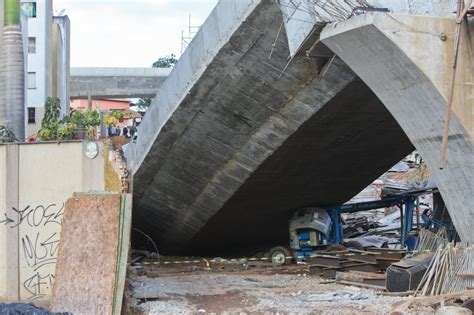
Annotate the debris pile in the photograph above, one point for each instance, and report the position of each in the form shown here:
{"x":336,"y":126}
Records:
{"x":451,"y":303}
{"x":327,"y":264}
{"x":358,"y":226}
{"x":430,"y":241}
{"x":381,"y":227}
{"x":451,"y":270}
{"x":120,"y":163}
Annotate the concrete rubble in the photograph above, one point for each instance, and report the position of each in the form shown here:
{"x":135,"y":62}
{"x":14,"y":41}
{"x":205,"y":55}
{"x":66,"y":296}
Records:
{"x":222,"y":292}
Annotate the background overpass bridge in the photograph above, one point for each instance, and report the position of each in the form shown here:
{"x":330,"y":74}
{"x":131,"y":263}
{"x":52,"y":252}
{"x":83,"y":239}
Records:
{"x":256,"y":121}
{"x":117,"y":82}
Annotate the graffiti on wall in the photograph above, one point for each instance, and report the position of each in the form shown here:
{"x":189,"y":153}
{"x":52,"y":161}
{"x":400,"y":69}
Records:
{"x":39,"y":228}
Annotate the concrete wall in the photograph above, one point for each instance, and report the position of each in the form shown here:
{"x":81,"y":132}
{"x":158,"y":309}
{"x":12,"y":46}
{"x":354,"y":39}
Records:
{"x":35,"y":181}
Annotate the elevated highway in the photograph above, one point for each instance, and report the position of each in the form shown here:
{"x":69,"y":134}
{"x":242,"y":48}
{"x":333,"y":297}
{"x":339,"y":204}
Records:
{"x":261,"y":116}
{"x":116,"y":82}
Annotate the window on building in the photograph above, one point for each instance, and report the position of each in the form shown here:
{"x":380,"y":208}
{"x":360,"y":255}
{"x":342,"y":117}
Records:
{"x":29,"y":8}
{"x":31,"y":80}
{"x":31,"y":115}
{"x":31,"y":45}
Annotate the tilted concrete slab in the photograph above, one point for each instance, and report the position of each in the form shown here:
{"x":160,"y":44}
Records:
{"x":300,"y":16}
{"x":406,"y":64}
{"x":241,"y":134}
{"x":117,"y":82}
{"x":236,"y":143}
{"x":344,"y":146}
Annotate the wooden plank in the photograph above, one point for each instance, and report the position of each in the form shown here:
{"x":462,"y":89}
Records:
{"x":362,"y":277}
{"x":87,"y":256}
{"x":123,"y":255}
{"x":466,"y":9}
{"x":363,"y":285}
{"x":407,"y":293}
{"x":329,"y":272}
{"x":369,"y":275}
{"x":341,"y":275}
{"x":403,"y":306}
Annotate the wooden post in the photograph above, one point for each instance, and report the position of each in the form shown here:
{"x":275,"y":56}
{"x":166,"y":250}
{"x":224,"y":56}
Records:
{"x":459,"y":20}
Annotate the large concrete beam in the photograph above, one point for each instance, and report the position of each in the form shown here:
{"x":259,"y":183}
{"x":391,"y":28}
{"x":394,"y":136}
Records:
{"x":242,"y":135}
{"x":236,"y":143}
{"x":301,"y":16}
{"x":343,"y":146}
{"x":117,"y":82}
{"x":408,"y":70}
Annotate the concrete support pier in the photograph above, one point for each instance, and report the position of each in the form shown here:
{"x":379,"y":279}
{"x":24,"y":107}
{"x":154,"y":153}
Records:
{"x":410,"y":73}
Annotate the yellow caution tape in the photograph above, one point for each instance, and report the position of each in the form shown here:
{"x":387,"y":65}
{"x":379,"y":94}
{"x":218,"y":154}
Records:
{"x":243,"y":259}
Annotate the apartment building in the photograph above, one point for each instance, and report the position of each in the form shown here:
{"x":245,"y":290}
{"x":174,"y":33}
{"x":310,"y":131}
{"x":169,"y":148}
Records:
{"x":48,"y":61}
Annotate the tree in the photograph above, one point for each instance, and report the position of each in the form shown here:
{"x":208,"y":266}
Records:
{"x":165,"y":62}
{"x":168,"y":61}
{"x":12,"y":88}
{"x":144,"y":103}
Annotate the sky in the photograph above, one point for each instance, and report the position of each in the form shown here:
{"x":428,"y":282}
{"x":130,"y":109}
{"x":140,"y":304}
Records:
{"x":124,"y":33}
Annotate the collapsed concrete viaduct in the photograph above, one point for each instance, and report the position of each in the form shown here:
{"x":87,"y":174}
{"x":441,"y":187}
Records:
{"x":117,"y":82}
{"x":240,"y":135}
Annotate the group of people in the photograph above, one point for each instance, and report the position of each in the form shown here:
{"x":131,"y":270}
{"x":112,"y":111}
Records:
{"x":128,"y":132}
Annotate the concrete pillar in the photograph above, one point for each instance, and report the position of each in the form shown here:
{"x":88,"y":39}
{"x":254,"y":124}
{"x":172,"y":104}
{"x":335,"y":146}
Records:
{"x":12,"y":234}
{"x":368,"y":44}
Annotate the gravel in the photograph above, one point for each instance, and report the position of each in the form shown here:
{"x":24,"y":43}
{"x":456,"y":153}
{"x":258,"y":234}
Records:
{"x":202,"y":292}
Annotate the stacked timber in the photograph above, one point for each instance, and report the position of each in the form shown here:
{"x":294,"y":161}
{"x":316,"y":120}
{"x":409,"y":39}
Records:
{"x":451,"y":270}
{"x":370,"y":280}
{"x":327,"y":264}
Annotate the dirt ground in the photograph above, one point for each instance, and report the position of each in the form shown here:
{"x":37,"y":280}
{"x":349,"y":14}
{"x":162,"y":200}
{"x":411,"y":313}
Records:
{"x":225,"y":289}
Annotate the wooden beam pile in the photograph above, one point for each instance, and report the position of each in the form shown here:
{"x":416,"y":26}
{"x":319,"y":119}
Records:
{"x":451,"y":270}
{"x":327,"y":264}
{"x":370,"y":280}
